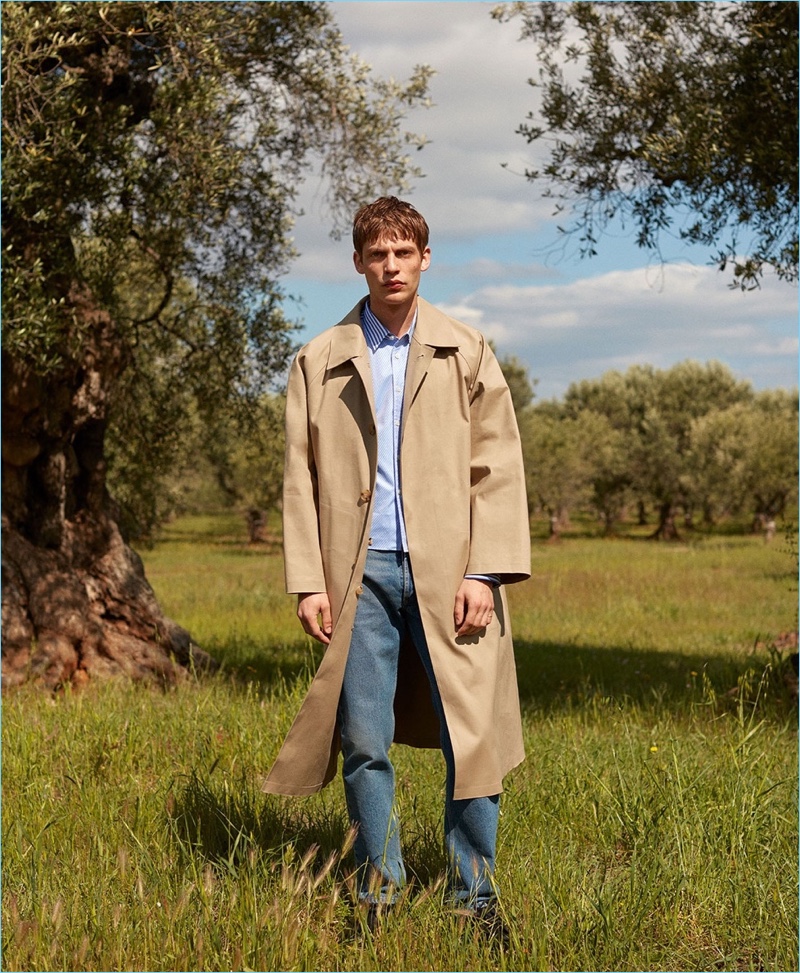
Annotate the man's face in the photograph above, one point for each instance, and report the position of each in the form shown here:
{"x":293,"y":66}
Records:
{"x":392,"y":269}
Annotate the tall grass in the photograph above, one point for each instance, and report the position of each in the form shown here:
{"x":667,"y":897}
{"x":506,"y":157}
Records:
{"x":652,"y":827}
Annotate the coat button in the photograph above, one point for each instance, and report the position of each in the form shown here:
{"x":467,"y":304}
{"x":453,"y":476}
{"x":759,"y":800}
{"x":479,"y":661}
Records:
{"x":359,"y":590}
{"x":365,"y":495}
{"x":372,"y":429}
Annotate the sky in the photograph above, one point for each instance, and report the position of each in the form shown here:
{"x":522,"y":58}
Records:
{"x":497,"y":261}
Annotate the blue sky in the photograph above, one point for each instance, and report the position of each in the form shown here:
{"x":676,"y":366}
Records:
{"x":495,"y":262}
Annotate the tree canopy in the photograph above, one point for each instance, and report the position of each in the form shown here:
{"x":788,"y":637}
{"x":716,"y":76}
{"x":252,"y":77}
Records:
{"x":673,"y":118}
{"x":163,"y":144}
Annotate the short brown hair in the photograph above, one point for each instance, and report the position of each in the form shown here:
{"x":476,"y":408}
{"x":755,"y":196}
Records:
{"x":391,"y":217}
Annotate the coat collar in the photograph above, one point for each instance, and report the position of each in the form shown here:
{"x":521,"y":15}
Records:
{"x":433,"y":330}
{"x":347,"y":338}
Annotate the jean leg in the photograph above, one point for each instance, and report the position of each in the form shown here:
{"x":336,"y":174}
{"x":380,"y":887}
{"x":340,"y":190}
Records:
{"x":366,"y":722}
{"x":470,"y":826}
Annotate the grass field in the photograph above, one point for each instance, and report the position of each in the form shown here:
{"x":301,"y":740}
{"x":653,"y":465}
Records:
{"x":652,"y":827}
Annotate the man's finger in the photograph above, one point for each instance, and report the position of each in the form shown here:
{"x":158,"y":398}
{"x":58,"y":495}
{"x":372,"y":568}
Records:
{"x":459,"y":610}
{"x":327,"y":623}
{"x":468,"y":619}
{"x":313,"y":629}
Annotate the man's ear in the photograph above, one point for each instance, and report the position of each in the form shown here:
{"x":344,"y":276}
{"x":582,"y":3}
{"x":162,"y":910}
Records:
{"x":426,"y":259}
{"x":357,"y":262}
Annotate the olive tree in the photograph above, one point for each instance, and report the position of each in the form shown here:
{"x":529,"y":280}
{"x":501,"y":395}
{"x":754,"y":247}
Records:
{"x":152,"y":155}
{"x":673,"y":118}
{"x":561,"y":460}
{"x":744,"y":458}
{"x":655,"y":410}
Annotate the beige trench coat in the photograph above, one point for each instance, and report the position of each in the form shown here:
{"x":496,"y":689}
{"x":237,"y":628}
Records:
{"x":465,"y":512}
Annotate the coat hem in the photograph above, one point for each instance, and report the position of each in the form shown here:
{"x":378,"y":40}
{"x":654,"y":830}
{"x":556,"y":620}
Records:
{"x":467,"y":792}
{"x":291,"y":790}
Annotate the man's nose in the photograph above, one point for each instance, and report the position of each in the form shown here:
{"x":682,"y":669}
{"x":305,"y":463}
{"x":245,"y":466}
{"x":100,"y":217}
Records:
{"x":391,"y":264}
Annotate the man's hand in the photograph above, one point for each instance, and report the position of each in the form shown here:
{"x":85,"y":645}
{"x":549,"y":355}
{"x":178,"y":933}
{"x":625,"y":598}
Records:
{"x":474,"y":606}
{"x":310,"y":606}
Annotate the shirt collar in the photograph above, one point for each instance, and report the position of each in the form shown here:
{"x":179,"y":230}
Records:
{"x":375,"y":333}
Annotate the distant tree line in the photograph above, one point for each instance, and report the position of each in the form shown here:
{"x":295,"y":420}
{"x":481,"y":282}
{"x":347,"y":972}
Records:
{"x":216,"y":462}
{"x":690,"y":444}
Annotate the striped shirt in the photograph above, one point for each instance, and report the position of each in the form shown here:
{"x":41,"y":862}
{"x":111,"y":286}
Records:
{"x":388,"y":360}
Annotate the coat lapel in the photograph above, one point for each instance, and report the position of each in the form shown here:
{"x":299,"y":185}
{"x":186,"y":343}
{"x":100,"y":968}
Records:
{"x":349,"y":345}
{"x":432,"y":332}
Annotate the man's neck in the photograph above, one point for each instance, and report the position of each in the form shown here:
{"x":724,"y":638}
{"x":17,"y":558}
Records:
{"x":397,"y":319}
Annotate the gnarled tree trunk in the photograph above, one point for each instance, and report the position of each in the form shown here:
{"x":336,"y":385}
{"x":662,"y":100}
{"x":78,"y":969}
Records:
{"x":667,"y":529}
{"x":76,"y":604}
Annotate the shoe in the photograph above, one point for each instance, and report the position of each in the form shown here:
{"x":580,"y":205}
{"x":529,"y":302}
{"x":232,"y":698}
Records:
{"x":377,"y":914}
{"x":491,"y":924}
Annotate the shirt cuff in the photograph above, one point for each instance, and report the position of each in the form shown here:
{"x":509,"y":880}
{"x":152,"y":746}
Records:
{"x":491,"y":579}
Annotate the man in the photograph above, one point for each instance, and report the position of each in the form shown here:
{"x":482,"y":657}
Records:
{"x":404,"y":515}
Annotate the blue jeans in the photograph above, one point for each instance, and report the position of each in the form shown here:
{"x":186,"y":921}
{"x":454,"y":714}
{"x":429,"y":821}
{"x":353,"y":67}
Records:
{"x":387,"y":611}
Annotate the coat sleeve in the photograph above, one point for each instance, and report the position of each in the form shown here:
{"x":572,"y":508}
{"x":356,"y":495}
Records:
{"x":302,"y":555}
{"x":499,"y":525}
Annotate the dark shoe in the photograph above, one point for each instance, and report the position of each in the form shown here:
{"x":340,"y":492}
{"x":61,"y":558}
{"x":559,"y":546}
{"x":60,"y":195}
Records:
{"x":491,"y":925}
{"x":377,"y":914}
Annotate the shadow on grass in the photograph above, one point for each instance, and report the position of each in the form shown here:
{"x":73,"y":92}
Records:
{"x":587,"y":528}
{"x":231,"y":826}
{"x":225,"y":823}
{"x":232,"y":545}
{"x":554,"y":678}
{"x":266,"y":665}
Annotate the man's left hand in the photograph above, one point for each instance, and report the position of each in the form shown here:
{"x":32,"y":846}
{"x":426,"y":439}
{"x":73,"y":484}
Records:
{"x":474,"y":606}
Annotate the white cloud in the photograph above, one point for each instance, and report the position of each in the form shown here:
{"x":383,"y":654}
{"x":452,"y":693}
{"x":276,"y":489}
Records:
{"x":559,"y":320}
{"x":782,"y":346}
{"x":582,"y":328}
{"x":471,"y":271}
{"x":469,"y":315}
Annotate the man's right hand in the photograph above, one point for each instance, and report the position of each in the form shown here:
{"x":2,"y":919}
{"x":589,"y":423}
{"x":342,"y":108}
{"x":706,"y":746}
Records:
{"x":312,"y":605}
